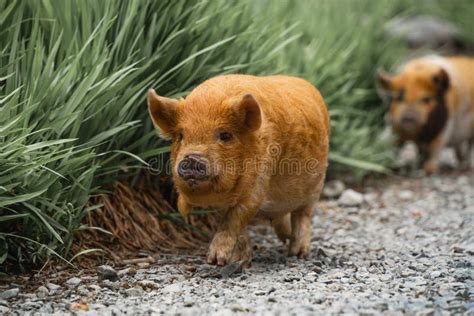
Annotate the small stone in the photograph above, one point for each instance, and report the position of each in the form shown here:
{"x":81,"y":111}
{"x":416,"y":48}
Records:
{"x":188,"y":301}
{"x":77,"y":307}
{"x":405,"y":195}
{"x":435,"y":274}
{"x":467,"y":248}
{"x":3,"y":302}
{"x":232,"y":268}
{"x":134,"y":291}
{"x":114,"y":286}
{"x":143,"y":265}
{"x":147,"y":284}
{"x":371,"y":198}
{"x":240,"y":308}
{"x":126,"y":271}
{"x":94,"y":287}
{"x":46,"y":309}
{"x":29,"y":305}
{"x":291,"y":278}
{"x":336,"y":275}
{"x":4,"y":310}
{"x":426,"y":312}
{"x":97,"y":306}
{"x":11,"y":293}
{"x":82,"y":290}
{"x":52,"y":286}
{"x":73,"y":282}
{"x":381,"y":306}
{"x":350,"y":198}
{"x":106,"y":272}
{"x":42,"y":292}
{"x":333,"y":189}
{"x":173,"y":288}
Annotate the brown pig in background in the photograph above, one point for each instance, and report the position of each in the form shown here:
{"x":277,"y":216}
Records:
{"x":432,"y":103}
{"x":251,"y":147}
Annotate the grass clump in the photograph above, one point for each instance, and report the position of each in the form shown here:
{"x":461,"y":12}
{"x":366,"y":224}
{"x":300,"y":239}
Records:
{"x":72,"y":100}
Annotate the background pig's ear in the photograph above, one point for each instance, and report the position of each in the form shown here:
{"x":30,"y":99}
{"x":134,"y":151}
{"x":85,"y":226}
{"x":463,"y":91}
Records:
{"x":250,"y":109}
{"x":384,"y":85}
{"x":162,"y":112}
{"x":384,"y":80}
{"x":441,"y":80}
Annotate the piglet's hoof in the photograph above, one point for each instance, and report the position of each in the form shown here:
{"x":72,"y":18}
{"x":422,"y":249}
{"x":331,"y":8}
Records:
{"x":242,"y":252}
{"x":430,"y":169}
{"x":220,"y":250}
{"x":299,"y":249}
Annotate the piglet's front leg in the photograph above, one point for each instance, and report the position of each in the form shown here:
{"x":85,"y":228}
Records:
{"x":431,"y":165}
{"x":231,"y":243}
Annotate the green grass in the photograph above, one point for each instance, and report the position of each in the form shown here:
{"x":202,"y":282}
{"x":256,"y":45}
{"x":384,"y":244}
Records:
{"x":72,"y":112}
{"x":74,"y":74}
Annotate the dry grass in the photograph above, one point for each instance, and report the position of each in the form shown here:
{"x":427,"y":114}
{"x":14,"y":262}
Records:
{"x":140,"y":219}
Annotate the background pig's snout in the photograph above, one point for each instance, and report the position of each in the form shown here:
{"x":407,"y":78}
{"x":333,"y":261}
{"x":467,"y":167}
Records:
{"x":193,"y":166}
{"x":409,"y":121}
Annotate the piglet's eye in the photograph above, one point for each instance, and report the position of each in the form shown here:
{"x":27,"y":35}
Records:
{"x":224,"y":136}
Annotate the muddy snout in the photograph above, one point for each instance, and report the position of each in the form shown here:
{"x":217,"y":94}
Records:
{"x":193,"y":167}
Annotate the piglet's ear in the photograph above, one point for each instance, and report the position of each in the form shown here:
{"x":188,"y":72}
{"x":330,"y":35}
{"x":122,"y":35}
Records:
{"x":384,"y":85}
{"x":441,"y":80}
{"x":384,"y":80}
{"x":162,"y":112}
{"x":249,"y":110}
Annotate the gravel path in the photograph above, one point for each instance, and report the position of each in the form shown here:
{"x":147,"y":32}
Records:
{"x":407,"y":249}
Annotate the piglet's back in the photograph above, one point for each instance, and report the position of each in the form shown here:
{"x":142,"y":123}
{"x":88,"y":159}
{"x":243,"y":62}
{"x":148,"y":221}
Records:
{"x":290,"y":105}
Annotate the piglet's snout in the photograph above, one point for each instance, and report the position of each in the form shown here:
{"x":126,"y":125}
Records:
{"x":193,"y":166}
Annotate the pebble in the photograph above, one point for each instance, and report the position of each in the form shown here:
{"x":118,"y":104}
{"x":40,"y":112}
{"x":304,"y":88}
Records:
{"x":173,"y":288}
{"x":435,"y":274}
{"x":350,"y":198}
{"x":147,"y":284}
{"x":11,"y":293}
{"x":134,"y":291}
{"x":333,"y":189}
{"x":188,"y":301}
{"x":52,"y":286}
{"x":82,"y":290}
{"x":239,"y":308}
{"x":42,"y":292}
{"x":126,"y":271}
{"x":426,"y":312}
{"x":74,"y":281}
{"x":114,"y":286}
{"x":468,"y":248}
{"x":405,"y":195}
{"x":4,"y":310}
{"x":94,"y":287}
{"x":106,"y":272}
